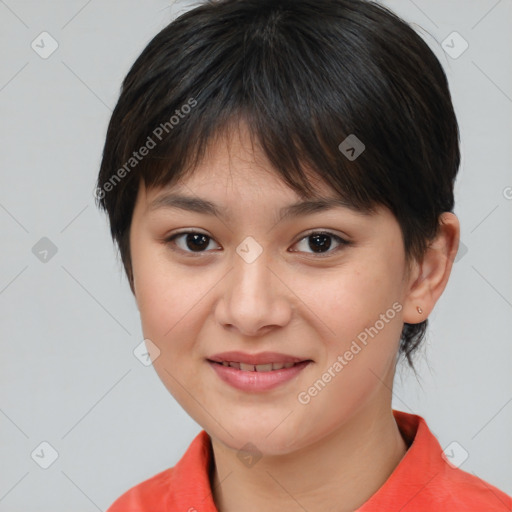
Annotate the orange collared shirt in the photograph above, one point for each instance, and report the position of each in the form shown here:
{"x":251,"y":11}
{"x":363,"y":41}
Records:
{"x":423,"y":481}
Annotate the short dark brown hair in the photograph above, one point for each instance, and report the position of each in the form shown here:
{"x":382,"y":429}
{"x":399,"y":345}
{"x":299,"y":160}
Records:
{"x":304,"y":75}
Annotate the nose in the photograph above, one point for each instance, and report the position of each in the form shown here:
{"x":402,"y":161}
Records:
{"x":254,"y":298}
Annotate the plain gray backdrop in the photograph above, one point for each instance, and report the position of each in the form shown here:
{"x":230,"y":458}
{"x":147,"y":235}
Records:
{"x":69,"y":323}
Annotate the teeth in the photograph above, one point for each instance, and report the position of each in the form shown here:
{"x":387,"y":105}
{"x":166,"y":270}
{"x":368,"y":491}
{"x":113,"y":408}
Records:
{"x":257,"y":367}
{"x":264,"y":367}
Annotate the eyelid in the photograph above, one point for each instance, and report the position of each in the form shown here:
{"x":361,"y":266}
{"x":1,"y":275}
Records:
{"x":341,"y":240}
{"x":169,"y":240}
{"x":320,"y":231}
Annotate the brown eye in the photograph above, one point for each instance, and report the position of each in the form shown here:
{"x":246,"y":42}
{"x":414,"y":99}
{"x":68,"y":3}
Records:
{"x":191,"y":241}
{"x":320,"y":242}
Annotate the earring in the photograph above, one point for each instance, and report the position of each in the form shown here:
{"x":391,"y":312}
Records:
{"x":419,"y":310}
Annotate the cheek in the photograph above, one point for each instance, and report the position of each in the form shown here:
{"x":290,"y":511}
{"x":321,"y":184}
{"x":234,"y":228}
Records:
{"x":350,"y":299}
{"x":174,"y":302}
{"x":360,"y":355}
{"x":162,"y":293}
{"x":169,"y":302}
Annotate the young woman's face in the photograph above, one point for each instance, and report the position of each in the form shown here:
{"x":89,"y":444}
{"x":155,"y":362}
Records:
{"x":322,"y":288}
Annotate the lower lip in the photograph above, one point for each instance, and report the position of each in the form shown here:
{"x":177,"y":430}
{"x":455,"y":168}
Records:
{"x":256,"y":381}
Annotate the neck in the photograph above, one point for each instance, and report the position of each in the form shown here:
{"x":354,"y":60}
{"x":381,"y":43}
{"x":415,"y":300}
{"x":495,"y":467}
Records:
{"x":339,"y":472}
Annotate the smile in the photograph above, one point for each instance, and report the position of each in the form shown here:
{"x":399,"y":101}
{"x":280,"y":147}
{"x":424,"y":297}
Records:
{"x":257,"y":367}
{"x":257,"y":378}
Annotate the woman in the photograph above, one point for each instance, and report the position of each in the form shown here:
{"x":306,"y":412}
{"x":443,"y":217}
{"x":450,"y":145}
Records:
{"x":278,"y":176}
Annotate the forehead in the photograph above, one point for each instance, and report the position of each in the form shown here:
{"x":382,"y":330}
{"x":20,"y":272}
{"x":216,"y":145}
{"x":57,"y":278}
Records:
{"x":235,"y":174}
{"x":235,"y":180}
{"x":225,"y":182}
{"x":233,"y":160}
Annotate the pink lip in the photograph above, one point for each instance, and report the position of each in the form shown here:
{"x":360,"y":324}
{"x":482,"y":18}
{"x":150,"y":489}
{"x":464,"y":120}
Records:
{"x":261,"y":358}
{"x":257,"y":381}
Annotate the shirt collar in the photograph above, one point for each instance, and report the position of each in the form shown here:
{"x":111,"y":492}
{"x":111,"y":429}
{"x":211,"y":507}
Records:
{"x":407,"y":483}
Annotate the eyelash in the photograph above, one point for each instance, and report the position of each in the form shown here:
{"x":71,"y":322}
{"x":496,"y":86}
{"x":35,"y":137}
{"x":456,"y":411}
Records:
{"x":341,"y":241}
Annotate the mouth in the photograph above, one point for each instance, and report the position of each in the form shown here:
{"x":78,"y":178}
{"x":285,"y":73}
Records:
{"x":256,"y":372}
{"x":268,"y":367}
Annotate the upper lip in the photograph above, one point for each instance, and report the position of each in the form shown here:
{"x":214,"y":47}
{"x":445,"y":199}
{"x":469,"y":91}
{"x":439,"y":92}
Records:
{"x":261,"y":358}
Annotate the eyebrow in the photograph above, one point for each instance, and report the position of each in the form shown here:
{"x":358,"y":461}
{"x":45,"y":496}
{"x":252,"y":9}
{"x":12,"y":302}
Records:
{"x":203,"y":206}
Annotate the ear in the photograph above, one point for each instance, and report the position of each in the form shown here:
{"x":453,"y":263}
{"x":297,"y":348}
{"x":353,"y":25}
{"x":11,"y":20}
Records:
{"x":429,"y":278}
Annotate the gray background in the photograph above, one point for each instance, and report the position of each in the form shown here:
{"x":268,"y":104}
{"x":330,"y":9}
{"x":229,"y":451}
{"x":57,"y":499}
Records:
{"x":69,"y":323}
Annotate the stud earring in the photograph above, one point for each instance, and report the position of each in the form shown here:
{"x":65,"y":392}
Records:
{"x":419,"y":310}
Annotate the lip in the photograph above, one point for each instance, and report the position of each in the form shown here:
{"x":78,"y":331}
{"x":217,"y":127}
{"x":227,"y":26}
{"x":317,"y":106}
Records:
{"x":261,"y":358}
{"x":254,"y":381}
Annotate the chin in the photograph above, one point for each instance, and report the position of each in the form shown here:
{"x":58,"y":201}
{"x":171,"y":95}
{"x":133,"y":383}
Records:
{"x":263,"y":438}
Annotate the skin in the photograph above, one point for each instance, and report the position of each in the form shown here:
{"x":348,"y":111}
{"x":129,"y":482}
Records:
{"x":334,"y":452}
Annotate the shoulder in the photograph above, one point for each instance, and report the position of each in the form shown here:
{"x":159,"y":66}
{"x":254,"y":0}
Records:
{"x":147,"y":495}
{"x":456,"y":489}
{"x":451,"y":487}
{"x":426,"y":479}
{"x":173,"y":488}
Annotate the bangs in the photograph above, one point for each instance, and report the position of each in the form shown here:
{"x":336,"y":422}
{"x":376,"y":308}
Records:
{"x":299,"y":161}
{"x":285,"y":105}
